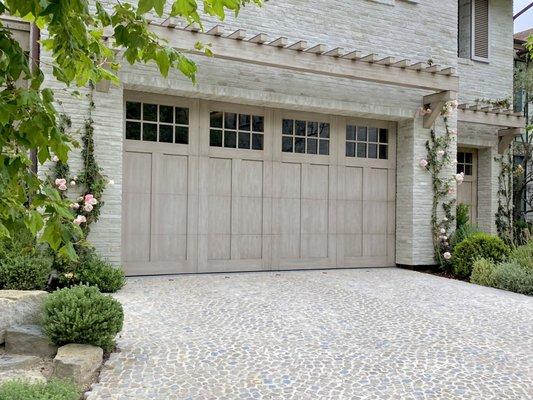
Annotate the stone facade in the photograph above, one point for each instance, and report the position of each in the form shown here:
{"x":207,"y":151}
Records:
{"x":372,"y":26}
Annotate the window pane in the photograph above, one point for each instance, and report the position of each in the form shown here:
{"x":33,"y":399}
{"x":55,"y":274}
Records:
{"x":383,"y":151}
{"x":468,"y":158}
{"x":166,"y":114}
{"x":361,"y":150}
{"x":323,"y":148}
{"x":166,"y":133}
{"x":312,"y":146}
{"x":286,"y":144}
{"x":150,"y":132}
{"x":244,"y":140}
{"x":350,"y":149}
{"x":230,"y":139}
{"x":468,"y":169}
{"x":257,"y":141}
{"x":133,"y":110}
{"x":361,"y":133}
{"x":373,"y":135}
{"x":182,"y":135}
{"x":460,"y":168}
{"x":215,"y":138}
{"x":383,"y":136}
{"x":230,"y":121}
{"x":324,"y":130}
{"x":288,"y":127}
{"x":372,"y":150}
{"x":150,"y":112}
{"x":244,"y":122}
{"x":182,"y":116}
{"x":299,"y":145}
{"x":460,"y":157}
{"x":216,"y":119}
{"x":300,"y":128}
{"x":258,"y":123}
{"x":312,"y":129}
{"x":133,"y":130}
{"x":350,"y":132}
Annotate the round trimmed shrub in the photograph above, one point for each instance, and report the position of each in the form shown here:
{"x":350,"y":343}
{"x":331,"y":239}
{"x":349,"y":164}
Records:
{"x":24,"y":271}
{"x":483,"y":273}
{"x":81,"y":314}
{"x":479,"y":245}
{"x":95,"y":271}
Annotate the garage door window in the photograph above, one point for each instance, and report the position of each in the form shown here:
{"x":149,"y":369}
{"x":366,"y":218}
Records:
{"x":243,"y":131}
{"x":311,"y":137}
{"x":465,"y":162}
{"x":367,"y":142}
{"x":157,"y":123}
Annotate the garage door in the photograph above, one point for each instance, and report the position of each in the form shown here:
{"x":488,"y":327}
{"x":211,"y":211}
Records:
{"x":215,"y":187}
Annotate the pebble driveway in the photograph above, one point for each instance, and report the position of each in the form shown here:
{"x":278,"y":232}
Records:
{"x":338,"y":334}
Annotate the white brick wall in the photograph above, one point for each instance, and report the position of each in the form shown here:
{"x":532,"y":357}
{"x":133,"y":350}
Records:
{"x":405,"y":29}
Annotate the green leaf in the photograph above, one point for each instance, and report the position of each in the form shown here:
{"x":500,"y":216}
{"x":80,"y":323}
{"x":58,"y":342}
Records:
{"x":145,"y":6}
{"x":163,"y":62}
{"x":52,"y":235}
{"x":68,"y":252}
{"x":34,"y":222}
{"x":4,"y":232}
{"x":159,"y":6}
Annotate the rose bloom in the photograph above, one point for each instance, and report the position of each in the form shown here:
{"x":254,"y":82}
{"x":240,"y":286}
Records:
{"x":80,"y":219}
{"x":89,"y":199}
{"x":74,"y":206}
{"x":87,"y":207}
{"x":447,"y":255}
{"x":55,"y":158}
{"x":423,"y":163}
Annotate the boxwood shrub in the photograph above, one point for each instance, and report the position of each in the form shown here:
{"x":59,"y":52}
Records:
{"x":483,"y":272}
{"x":479,"y":245}
{"x":81,"y":314}
{"x":511,"y":276}
{"x":51,"y":390}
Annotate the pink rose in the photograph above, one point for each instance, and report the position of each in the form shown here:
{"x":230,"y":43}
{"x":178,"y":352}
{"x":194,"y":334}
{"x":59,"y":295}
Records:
{"x":447,"y":255}
{"x":62,"y":187}
{"x":460,"y":177}
{"x":60,"y":182}
{"x":55,"y":158}
{"x":451,"y":191}
{"x":80,"y":219}
{"x":89,"y":199}
{"x":423,"y":163}
{"x":74,"y":206}
{"x":87,"y":207}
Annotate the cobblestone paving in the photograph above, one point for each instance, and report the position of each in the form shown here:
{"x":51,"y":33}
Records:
{"x":343,"y":334}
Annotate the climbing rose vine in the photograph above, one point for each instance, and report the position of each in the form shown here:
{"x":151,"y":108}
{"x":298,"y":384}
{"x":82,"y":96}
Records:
{"x":444,"y":187}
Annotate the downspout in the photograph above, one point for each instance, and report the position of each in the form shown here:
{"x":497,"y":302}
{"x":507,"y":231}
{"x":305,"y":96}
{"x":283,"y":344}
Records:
{"x":35,"y":35}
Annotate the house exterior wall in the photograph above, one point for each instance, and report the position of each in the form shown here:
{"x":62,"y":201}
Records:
{"x":365,"y":25}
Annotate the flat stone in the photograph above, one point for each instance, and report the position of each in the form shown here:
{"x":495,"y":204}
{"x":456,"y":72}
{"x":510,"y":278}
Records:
{"x":31,"y":376}
{"x":31,"y":340}
{"x":20,"y":307}
{"x":16,"y":361}
{"x":78,"y":362}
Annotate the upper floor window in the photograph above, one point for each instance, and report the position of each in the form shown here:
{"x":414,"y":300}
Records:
{"x":311,"y":137}
{"x":243,"y":131}
{"x":157,"y":123}
{"x":473,"y":35}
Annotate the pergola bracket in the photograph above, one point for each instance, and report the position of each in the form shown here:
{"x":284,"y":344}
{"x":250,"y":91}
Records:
{"x":506,"y":137}
{"x":435,"y":102}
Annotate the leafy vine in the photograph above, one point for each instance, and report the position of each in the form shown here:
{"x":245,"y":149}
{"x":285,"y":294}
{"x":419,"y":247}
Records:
{"x":504,"y":215}
{"x":444,"y":188}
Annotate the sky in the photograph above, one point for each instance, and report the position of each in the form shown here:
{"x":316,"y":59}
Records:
{"x":525,"y":21}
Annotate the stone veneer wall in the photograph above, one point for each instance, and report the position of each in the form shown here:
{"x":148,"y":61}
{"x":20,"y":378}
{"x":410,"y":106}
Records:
{"x":366,"y":27}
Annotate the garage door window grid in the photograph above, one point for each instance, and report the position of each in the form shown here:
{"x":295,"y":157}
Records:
{"x":157,"y":123}
{"x":465,"y":162}
{"x":243,"y":131}
{"x":311,"y":137}
{"x":367,"y":142}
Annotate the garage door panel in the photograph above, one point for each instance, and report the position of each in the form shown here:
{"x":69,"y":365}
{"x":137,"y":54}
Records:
{"x":219,"y":214}
{"x":138,"y":172}
{"x":289,"y":216}
{"x":376,"y":184}
{"x":353,"y":245}
{"x":353,"y":213}
{"x":169,"y":214}
{"x":353,"y":183}
{"x":219,"y":246}
{"x":375,"y":218}
{"x":315,"y":182}
{"x":289,"y":178}
{"x":172,"y":175}
{"x":136,"y":247}
{"x":250,"y":219}
{"x":249,"y":246}
{"x":169,"y":247}
{"x":314,"y":246}
{"x":219,"y":178}
{"x":314,"y":216}
{"x":374,"y":245}
{"x":251,"y":179}
{"x":289,"y":245}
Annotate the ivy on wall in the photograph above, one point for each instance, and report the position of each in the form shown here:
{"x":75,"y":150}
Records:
{"x":437,"y":161}
{"x":504,"y":215}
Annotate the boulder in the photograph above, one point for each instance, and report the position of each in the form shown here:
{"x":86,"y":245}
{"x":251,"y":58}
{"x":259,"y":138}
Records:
{"x":31,"y":376}
{"x":30,"y":340}
{"x":20,"y":307}
{"x":78,"y":362}
{"x":9,"y":362}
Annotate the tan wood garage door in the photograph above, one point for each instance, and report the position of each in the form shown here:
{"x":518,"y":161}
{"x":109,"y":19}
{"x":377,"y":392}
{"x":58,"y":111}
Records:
{"x":215,"y":187}
{"x":467,"y":191}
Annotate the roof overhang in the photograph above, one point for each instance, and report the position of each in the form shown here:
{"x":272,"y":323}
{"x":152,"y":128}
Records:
{"x":278,"y":53}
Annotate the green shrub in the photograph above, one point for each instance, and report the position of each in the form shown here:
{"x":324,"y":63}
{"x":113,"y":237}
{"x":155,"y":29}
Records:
{"x":523,"y":255}
{"x":479,"y":245}
{"x":463,"y":232}
{"x":462,"y":215}
{"x":512,"y":276}
{"x":483,"y":273}
{"x":24,"y":271}
{"x":82,"y":314}
{"x":91,"y":270}
{"x":52,"y":390}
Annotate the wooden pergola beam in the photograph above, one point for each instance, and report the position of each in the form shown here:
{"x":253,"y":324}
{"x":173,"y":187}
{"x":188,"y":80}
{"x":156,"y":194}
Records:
{"x":302,"y":61}
{"x":435,"y":102}
{"x":502,"y":119}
